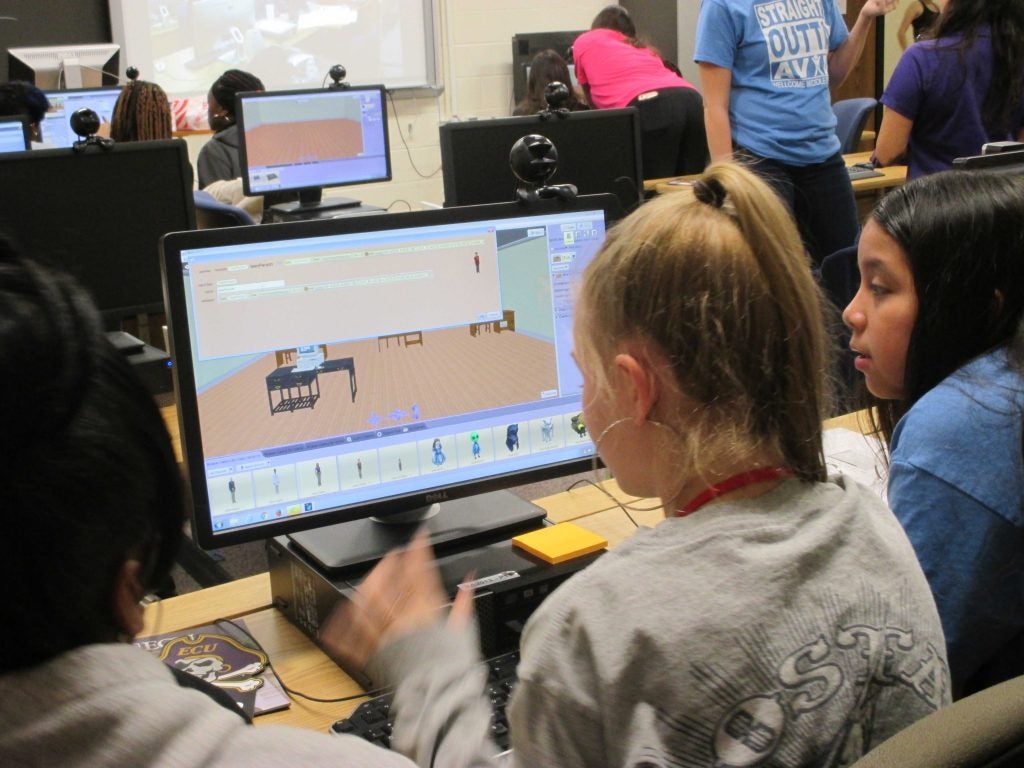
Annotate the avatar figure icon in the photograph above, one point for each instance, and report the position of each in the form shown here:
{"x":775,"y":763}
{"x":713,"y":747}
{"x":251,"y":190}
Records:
{"x":359,"y":468}
{"x":476,"y":261}
{"x":547,"y":429}
{"x":438,"y":449}
{"x":474,"y":438}
{"x":276,"y":481}
{"x":232,"y":488}
{"x":319,"y":475}
{"x":578,"y":425}
{"x":512,"y":438}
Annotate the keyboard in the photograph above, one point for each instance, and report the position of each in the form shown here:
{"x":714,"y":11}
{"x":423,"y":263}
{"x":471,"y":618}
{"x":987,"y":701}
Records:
{"x":861,"y":172}
{"x":372,"y":720}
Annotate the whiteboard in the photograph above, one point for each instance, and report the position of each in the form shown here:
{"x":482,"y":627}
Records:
{"x":184,"y":45}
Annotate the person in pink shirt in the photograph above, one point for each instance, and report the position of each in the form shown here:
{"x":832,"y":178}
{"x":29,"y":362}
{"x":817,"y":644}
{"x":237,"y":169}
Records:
{"x":616,"y":70}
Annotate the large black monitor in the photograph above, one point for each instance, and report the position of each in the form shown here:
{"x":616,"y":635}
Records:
{"x":14,"y":134}
{"x":307,"y":140}
{"x":65,"y":66}
{"x":998,"y":162}
{"x":598,"y":151}
{"x":330,"y":370}
{"x":99,"y":214}
{"x":56,"y":128}
{"x":526,"y":45}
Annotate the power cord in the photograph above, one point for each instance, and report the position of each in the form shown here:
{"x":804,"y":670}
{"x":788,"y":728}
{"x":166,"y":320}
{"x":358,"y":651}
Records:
{"x":405,"y":143}
{"x":620,"y":504}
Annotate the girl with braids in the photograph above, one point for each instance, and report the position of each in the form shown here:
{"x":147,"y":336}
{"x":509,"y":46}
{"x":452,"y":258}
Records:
{"x":749,"y":627}
{"x":961,"y":87}
{"x":218,"y":159}
{"x":938,"y":327}
{"x":141,"y":113}
{"x":92,"y":511}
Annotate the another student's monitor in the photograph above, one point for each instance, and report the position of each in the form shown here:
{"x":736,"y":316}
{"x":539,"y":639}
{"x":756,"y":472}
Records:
{"x":14,"y":134}
{"x":65,"y":66}
{"x":1011,"y":162}
{"x":56,"y":128}
{"x":309,"y":140}
{"x":598,"y":151}
{"x":527,"y":45}
{"x":99,"y":214}
{"x":333,"y":369}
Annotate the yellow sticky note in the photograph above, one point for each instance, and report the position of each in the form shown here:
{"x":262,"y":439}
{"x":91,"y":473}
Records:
{"x":558,"y":543}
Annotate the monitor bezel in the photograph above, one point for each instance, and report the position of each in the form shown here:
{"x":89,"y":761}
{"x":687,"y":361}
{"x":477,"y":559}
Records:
{"x":52,"y":93}
{"x":186,"y":396}
{"x":996,"y":161}
{"x":534,"y":124}
{"x":26,"y":129}
{"x":243,"y":158}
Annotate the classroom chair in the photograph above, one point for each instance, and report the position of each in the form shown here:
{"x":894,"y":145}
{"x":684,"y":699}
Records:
{"x":212,"y":213}
{"x":851,"y":115}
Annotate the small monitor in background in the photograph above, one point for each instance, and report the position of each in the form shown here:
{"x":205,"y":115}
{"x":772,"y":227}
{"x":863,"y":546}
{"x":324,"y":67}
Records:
{"x":526,"y":46}
{"x":99,"y":214}
{"x":598,"y":151}
{"x":65,"y":66}
{"x":998,"y":162}
{"x":306,"y":141}
{"x":56,"y":128}
{"x":14,"y":134}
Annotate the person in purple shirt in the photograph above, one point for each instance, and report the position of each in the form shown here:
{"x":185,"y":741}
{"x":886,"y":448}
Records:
{"x":956,"y":90}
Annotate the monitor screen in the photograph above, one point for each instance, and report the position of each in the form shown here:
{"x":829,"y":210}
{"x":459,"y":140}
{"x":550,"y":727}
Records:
{"x":998,"y":162}
{"x":14,"y":134}
{"x":598,"y":151}
{"x":333,"y":369}
{"x":99,"y":214}
{"x":56,"y":128}
{"x":308,"y":140}
{"x":65,"y":66}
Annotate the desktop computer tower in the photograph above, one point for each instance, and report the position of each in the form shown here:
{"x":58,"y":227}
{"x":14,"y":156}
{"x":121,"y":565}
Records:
{"x":509,"y":585}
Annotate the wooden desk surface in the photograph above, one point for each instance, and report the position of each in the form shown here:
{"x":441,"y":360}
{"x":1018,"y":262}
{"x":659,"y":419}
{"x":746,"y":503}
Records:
{"x":304,"y":667}
{"x":893,"y":176}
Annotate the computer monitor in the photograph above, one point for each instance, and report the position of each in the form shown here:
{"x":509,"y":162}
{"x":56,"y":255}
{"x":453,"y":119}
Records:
{"x":527,"y":45}
{"x":598,"y":151}
{"x":1011,"y":162}
{"x":14,"y":134}
{"x":333,"y":369}
{"x":307,"y":140}
{"x":56,"y":128}
{"x":99,"y":214}
{"x":65,"y":66}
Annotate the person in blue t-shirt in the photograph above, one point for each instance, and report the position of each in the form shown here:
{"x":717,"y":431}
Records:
{"x":938,"y":329}
{"x":957,"y":90}
{"x":766,"y":69}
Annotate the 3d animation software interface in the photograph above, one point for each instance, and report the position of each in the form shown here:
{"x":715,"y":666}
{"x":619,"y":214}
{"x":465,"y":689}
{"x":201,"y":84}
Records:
{"x":333,"y":371}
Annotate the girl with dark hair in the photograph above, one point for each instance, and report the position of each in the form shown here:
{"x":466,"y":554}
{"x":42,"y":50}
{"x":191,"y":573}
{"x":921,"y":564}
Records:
{"x":774,"y":617}
{"x":615,"y":70}
{"x":92,"y":515}
{"x":918,"y":17}
{"x":766,"y":70}
{"x":938,"y":329}
{"x":218,"y":159}
{"x":961,"y":87}
{"x":547,"y":67}
{"x":142,"y":112}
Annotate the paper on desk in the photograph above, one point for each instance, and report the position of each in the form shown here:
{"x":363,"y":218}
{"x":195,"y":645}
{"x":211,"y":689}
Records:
{"x":856,"y":456}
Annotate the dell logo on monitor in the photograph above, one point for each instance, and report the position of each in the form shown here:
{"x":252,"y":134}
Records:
{"x":435,"y":497}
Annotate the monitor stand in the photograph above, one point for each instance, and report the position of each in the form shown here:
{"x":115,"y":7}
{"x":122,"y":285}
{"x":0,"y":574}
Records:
{"x":311,"y":201}
{"x":460,"y":523}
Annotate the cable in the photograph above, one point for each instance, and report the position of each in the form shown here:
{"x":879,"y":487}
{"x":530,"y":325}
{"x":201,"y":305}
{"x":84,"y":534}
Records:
{"x":396,"y":202}
{"x":405,"y":144}
{"x":291,"y":691}
{"x":620,"y":504}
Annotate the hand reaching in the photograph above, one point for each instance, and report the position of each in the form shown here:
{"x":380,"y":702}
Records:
{"x":875,"y":8}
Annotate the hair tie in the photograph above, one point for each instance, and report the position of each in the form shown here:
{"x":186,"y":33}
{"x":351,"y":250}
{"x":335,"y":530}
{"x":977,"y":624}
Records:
{"x":709,"y":191}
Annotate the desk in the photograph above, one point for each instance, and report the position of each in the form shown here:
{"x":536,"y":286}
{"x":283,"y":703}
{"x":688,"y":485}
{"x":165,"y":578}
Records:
{"x":304,"y":667}
{"x":284,"y":380}
{"x":867,"y":191}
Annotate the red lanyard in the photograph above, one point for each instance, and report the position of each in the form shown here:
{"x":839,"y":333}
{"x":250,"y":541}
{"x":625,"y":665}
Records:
{"x":741,"y":480}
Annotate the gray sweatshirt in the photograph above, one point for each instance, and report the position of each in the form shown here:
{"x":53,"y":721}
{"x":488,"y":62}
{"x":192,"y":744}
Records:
{"x":793,"y":629}
{"x":115,"y":705}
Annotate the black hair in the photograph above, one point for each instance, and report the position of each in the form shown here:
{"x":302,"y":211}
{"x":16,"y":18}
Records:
{"x":1004,"y":22}
{"x":21,"y":98}
{"x":88,"y":479}
{"x":232,"y":82}
{"x":615,"y":17}
{"x":963,"y":236}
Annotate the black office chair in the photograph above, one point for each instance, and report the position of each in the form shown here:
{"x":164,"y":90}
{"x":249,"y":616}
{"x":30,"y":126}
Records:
{"x":211,"y":213}
{"x":840,"y":279}
{"x":985,"y":730}
{"x":851,"y":115}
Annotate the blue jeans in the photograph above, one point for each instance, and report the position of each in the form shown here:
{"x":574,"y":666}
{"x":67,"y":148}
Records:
{"x":820,"y":197}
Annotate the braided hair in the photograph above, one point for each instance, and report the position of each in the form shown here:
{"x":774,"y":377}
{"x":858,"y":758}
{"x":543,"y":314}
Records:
{"x":229,"y":84}
{"x":142,"y":113}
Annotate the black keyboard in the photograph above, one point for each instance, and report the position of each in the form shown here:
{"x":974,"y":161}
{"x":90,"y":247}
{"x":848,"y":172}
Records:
{"x":373,"y":721}
{"x":862,"y":172}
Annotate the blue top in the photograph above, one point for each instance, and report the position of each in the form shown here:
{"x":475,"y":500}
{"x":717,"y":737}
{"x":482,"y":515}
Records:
{"x":777,"y":51}
{"x":941,"y":88}
{"x":957,"y":485}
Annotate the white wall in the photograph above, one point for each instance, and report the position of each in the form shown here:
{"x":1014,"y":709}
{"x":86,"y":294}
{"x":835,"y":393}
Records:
{"x":476,"y":71}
